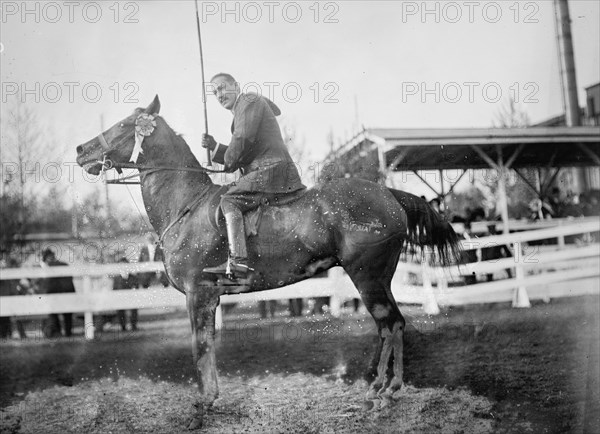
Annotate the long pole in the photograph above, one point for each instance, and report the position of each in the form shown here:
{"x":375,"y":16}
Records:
{"x":106,"y":198}
{"x":209,"y":162}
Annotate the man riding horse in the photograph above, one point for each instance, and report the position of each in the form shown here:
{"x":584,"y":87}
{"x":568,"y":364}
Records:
{"x":257,"y":149}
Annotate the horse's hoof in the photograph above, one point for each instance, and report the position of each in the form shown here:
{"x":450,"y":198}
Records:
{"x":367,"y":405}
{"x":372,"y":394}
{"x":392,"y":392}
{"x":195,"y":423}
{"x":385,"y":402}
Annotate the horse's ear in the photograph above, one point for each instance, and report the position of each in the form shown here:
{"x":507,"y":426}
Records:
{"x":154,"y":106}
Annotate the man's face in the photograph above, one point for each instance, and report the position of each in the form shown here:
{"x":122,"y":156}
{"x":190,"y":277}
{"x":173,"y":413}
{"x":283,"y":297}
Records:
{"x":226,"y":91}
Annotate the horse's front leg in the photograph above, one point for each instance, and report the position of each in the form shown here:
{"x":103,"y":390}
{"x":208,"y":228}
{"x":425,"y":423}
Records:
{"x":201,"y":305}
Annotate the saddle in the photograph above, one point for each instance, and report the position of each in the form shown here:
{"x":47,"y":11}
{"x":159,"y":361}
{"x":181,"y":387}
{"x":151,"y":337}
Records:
{"x":251,"y":218}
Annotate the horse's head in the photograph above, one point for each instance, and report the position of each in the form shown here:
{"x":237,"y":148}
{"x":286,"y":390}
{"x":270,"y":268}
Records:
{"x":121,"y":143}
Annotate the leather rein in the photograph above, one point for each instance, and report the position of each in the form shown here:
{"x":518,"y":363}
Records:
{"x":108,"y":164}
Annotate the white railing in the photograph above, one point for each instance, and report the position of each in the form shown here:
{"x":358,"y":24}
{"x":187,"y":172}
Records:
{"x":567,"y":264}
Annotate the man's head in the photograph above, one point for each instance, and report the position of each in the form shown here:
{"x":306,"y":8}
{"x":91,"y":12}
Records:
{"x":48,"y":255}
{"x":226,"y":89}
{"x":435,"y":204}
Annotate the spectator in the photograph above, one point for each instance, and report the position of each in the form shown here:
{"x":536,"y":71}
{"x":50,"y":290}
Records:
{"x":296,"y":305}
{"x":55,"y":285}
{"x":540,"y":210}
{"x":436,"y":204}
{"x":590,"y":203}
{"x":8,"y":288}
{"x":556,"y":202}
{"x":151,"y":252}
{"x":266,"y":307}
{"x":483,"y":253}
{"x":126,"y":281}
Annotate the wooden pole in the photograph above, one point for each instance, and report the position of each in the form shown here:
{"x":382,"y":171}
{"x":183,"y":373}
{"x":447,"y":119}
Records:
{"x":208,"y":160}
{"x":502,"y":199}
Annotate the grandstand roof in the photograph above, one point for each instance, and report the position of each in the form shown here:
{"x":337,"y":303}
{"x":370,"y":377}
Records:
{"x":476,"y":148}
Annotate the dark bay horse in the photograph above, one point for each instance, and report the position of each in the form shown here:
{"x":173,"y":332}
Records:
{"x":356,"y":224}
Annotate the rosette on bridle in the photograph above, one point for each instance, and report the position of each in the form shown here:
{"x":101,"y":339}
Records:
{"x":144,"y":126}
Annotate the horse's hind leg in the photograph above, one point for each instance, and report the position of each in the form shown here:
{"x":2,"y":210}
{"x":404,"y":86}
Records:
{"x":375,"y":291}
{"x":202,"y":304}
{"x":390,"y":325}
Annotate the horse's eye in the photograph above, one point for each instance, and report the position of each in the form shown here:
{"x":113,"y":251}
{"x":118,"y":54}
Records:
{"x":121,"y":125}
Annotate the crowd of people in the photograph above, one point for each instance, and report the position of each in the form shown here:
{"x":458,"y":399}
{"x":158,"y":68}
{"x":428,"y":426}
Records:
{"x":556,"y":204}
{"x":59,"y":325}
{"x":559,"y":205}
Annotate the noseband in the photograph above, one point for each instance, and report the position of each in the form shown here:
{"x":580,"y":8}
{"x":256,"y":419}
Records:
{"x":106,"y":162}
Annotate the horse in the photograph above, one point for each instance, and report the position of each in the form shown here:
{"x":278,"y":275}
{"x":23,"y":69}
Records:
{"x":356,"y":224}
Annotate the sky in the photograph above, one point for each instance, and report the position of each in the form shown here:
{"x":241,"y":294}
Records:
{"x":330,"y":66}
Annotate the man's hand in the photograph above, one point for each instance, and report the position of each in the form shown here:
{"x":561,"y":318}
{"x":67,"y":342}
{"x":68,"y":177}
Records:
{"x":208,"y":142}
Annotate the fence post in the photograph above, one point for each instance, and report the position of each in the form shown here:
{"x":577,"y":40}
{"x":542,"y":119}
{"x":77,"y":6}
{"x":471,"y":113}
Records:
{"x":561,"y":238}
{"x":88,"y":317}
{"x":335,"y":301}
{"x":430,"y":306}
{"x":520,"y":297}
{"x":335,"y":305}
{"x":219,"y":318}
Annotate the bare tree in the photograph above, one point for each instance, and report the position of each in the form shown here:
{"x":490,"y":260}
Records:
{"x":21,"y":142}
{"x":511,"y":116}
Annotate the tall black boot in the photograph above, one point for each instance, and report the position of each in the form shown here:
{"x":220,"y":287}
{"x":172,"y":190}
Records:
{"x":237,"y":264}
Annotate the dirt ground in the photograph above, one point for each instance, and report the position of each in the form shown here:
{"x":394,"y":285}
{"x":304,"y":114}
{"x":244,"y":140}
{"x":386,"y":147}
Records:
{"x":486,"y":368}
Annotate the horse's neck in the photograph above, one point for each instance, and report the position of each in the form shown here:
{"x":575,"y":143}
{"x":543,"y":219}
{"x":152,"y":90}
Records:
{"x":167,"y":192}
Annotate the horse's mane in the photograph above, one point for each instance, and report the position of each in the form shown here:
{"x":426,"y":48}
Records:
{"x":180,"y":144}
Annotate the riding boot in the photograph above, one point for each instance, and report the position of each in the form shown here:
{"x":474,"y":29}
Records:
{"x":236,"y":265}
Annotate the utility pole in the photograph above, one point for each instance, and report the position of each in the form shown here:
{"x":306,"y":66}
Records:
{"x":567,"y":63}
{"x":568,"y":77}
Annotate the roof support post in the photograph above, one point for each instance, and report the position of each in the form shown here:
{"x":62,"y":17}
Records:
{"x":502,"y":198}
{"x":442,"y":191}
{"x":383,"y":169}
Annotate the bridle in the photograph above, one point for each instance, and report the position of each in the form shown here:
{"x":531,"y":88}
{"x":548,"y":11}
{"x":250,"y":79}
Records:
{"x":143,"y":170}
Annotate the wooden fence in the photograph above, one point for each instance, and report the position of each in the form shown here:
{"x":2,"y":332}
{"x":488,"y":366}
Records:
{"x":536,"y":273}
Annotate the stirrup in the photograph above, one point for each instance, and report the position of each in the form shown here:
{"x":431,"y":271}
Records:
{"x":231,"y":269}
{"x":237,"y":270}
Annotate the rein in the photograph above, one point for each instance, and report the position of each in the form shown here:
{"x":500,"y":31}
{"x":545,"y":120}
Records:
{"x":107,"y":164}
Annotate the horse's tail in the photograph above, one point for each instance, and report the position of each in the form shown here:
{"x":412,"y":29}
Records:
{"x":427,"y":228}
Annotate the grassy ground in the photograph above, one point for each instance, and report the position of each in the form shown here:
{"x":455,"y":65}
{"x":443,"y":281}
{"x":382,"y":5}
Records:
{"x":472,"y":369}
